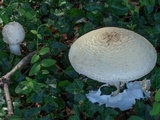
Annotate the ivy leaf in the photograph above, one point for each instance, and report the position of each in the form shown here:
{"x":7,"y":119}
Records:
{"x":71,"y":72}
{"x":35,"y":58}
{"x":10,"y":8}
{"x":39,"y":36}
{"x":57,"y":47}
{"x":75,"y":87}
{"x":44,"y":50}
{"x":37,"y":86}
{"x":107,"y":112}
{"x":5,"y":18}
{"x":94,"y":6}
{"x":45,"y":72}
{"x":74,"y":117}
{"x":95,"y":17}
{"x":117,"y":7}
{"x":37,"y":97}
{"x":47,"y":62}
{"x":133,"y":117}
{"x":156,"y":109}
{"x":24,"y":87}
{"x":34,"y":32}
{"x":75,"y":14}
{"x":34,"y":69}
{"x":157,"y":96}
{"x":155,"y":79}
{"x":107,"y":90}
{"x":89,"y":108}
{"x":31,"y":112}
{"x":29,"y":15}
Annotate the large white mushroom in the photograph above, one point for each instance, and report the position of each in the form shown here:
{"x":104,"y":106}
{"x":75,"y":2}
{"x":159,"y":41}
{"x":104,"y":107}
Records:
{"x":13,"y":34}
{"x":113,"y":55}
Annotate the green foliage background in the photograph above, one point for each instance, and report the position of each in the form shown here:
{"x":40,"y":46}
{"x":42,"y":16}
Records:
{"x":49,"y":88}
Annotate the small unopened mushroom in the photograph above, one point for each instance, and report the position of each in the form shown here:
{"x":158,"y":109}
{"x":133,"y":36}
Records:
{"x":13,"y":34}
{"x":112,"y":55}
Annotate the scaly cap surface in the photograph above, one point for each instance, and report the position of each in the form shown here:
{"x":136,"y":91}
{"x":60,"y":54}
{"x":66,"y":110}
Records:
{"x":112,"y":54}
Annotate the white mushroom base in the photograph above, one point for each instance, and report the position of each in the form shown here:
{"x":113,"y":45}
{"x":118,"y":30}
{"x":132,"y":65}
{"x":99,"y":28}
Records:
{"x":124,"y":100}
{"x":15,"y":49}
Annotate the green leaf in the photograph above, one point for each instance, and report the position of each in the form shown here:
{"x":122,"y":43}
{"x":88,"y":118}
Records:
{"x":2,"y":101}
{"x":34,"y":32}
{"x":47,"y":62}
{"x":57,"y":47}
{"x":157,"y":17}
{"x":3,"y":55}
{"x":35,"y":58}
{"x":45,"y":72}
{"x":143,"y":110}
{"x":155,"y":79}
{"x":126,"y":2}
{"x":14,"y":117}
{"x":44,"y":50}
{"x":63,"y":83}
{"x":117,"y":7}
{"x":106,"y":90}
{"x":37,"y":86}
{"x":29,"y":15}
{"x":5,"y":18}
{"x":71,"y":72}
{"x":18,"y":76}
{"x":152,"y":2}
{"x":157,"y":96}
{"x":95,"y":17}
{"x":107,"y":117}
{"x":86,"y":28}
{"x":89,"y":108}
{"x":37,"y":97}
{"x":156,"y":109}
{"x":32,"y":112}
{"x":158,"y":57}
{"x":22,"y":11}
{"x":39,"y":36}
{"x":76,"y":87}
{"x":43,"y":8}
{"x":94,"y":6}
{"x":75,"y":14}
{"x":34,"y":69}
{"x":105,"y":111}
{"x":74,"y":117}
{"x":133,"y":117}
{"x":2,"y":112}
{"x":80,"y":98}
{"x":10,"y":8}
{"x":147,"y":2}
{"x":24,"y":87}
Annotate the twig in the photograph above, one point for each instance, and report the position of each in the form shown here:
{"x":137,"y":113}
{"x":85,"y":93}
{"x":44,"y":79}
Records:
{"x":1,"y":2}
{"x":4,"y":80}
{"x":20,"y":65}
{"x":8,"y":99}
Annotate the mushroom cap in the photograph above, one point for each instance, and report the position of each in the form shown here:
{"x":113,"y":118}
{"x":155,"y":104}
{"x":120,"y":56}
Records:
{"x":13,"y":33}
{"x":112,"y":54}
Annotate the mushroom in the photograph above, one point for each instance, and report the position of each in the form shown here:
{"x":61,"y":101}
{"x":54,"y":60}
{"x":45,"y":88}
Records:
{"x":112,"y":55}
{"x":13,"y":34}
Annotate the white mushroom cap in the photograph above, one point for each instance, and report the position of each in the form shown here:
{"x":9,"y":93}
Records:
{"x":13,"y":33}
{"x":112,"y":54}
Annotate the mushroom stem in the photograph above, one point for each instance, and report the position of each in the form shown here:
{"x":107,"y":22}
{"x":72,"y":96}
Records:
{"x":117,"y":85}
{"x":15,"y":49}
